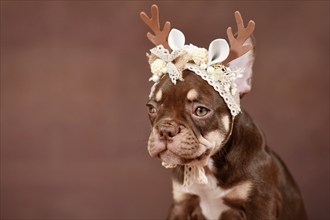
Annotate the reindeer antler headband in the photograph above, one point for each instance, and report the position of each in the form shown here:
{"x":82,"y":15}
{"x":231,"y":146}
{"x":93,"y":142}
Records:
{"x":171,"y":56}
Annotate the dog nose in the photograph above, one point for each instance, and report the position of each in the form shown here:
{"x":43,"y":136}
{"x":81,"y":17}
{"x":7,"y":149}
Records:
{"x":168,"y":130}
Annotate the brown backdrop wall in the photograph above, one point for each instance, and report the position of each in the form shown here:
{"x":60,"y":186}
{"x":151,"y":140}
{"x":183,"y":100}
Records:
{"x":74,"y":83}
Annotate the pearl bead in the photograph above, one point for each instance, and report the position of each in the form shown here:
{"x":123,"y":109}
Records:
{"x":210,"y":69}
{"x":203,"y":66}
{"x":154,"y":78}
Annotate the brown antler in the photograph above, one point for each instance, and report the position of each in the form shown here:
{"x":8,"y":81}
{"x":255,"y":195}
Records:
{"x":237,"y":48}
{"x":160,"y":36}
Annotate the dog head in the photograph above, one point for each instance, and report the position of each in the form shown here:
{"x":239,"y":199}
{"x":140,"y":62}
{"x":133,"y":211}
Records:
{"x":190,"y":120}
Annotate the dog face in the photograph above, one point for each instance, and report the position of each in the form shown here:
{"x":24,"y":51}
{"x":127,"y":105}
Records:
{"x":190,"y":121}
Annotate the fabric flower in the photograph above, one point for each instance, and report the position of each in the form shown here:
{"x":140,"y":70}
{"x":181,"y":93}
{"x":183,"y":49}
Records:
{"x":218,"y":74}
{"x":199,"y":56}
{"x":158,"y":67}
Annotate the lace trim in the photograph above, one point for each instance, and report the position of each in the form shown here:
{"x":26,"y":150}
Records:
{"x":173,"y":73}
{"x":218,"y":86}
{"x":164,"y":54}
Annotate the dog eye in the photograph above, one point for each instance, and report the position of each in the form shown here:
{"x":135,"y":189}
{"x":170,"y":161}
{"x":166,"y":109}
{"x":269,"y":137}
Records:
{"x":201,"y":111}
{"x":151,"y":109}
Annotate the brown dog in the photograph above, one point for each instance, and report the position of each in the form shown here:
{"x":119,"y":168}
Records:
{"x":193,"y":126}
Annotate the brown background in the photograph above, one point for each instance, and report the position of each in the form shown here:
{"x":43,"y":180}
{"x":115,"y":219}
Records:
{"x":74,"y":82}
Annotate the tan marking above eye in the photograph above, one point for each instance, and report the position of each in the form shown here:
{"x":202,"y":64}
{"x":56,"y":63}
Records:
{"x":159,"y":95}
{"x":192,"y":95}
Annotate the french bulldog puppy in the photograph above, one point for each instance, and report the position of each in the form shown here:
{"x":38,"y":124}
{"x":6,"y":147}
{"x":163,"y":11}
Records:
{"x":193,"y":126}
{"x":246,"y":180}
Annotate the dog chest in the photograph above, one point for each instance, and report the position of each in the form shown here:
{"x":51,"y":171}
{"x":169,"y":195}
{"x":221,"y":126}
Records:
{"x":212,"y":196}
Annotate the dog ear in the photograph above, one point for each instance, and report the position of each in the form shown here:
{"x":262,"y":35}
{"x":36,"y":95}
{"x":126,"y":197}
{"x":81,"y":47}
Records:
{"x":245,"y":62}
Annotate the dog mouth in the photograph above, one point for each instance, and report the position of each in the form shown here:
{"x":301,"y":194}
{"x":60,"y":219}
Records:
{"x":170,"y":159}
{"x":183,"y":148}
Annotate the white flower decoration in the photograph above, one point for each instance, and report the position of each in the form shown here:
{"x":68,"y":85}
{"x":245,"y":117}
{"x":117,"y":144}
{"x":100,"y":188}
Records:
{"x":218,"y":74}
{"x":200,"y":56}
{"x":158,"y":67}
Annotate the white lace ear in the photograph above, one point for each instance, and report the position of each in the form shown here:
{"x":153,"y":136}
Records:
{"x":218,"y":51}
{"x":176,"y":39}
